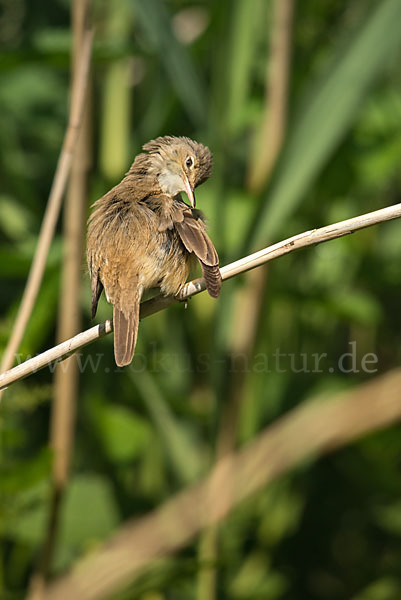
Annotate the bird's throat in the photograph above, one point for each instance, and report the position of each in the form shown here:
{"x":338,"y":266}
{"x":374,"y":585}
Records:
{"x":173,"y":183}
{"x":170,"y":183}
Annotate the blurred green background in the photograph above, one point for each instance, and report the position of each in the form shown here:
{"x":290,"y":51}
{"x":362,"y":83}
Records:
{"x":211,"y":377}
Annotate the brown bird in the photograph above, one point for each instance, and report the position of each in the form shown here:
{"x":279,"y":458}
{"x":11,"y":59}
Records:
{"x":142,"y":235}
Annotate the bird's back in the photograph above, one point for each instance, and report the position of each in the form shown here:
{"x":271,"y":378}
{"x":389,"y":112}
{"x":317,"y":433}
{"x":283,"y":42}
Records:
{"x":124,"y":236}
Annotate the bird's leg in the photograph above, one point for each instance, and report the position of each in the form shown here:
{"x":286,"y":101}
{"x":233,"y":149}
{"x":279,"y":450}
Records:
{"x":182,"y":298}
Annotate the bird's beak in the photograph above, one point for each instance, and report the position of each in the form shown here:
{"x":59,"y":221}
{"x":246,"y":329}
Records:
{"x":189,"y":192}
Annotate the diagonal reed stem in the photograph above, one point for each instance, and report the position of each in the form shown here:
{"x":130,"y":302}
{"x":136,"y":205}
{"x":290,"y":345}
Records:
{"x":150,"y":307}
{"x":310,"y":430}
{"x":54,"y":203}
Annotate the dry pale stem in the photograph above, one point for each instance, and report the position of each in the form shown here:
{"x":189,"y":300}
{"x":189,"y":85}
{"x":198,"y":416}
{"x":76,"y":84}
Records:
{"x":311,"y":429}
{"x":249,"y":300}
{"x":270,"y":135}
{"x":150,"y":307}
{"x":55,"y":199}
{"x":66,"y":379}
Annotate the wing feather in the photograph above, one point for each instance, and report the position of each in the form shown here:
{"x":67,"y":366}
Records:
{"x":192,"y":232}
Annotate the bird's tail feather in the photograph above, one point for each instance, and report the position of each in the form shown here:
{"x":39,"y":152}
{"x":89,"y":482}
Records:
{"x":125,"y":333}
{"x":212,"y":278}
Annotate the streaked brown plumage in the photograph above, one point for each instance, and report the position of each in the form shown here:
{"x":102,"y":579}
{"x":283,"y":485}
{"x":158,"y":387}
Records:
{"x":142,"y":234}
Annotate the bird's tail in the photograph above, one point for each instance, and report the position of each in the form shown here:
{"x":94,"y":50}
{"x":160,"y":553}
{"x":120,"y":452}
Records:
{"x":212,"y":277}
{"x":125,"y":326}
{"x":126,"y":304}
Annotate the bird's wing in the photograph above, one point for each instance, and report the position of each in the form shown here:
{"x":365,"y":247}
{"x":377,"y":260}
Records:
{"x":96,"y":284}
{"x":192,"y":232}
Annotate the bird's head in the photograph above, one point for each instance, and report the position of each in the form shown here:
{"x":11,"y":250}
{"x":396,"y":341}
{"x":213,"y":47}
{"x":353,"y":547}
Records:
{"x":179,"y":164}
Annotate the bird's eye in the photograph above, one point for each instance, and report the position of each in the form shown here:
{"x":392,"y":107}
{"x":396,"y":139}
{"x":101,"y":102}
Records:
{"x":189,"y":162}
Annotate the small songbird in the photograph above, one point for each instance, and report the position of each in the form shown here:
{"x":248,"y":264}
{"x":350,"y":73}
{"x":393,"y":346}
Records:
{"x":143,"y":235}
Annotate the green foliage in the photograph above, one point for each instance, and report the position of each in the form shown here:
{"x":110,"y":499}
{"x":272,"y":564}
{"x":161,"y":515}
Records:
{"x":330,"y":530}
{"x":327,"y":111}
{"x":123,"y":434}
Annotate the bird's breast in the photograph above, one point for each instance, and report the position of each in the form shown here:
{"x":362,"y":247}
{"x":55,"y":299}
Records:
{"x":130,"y":241}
